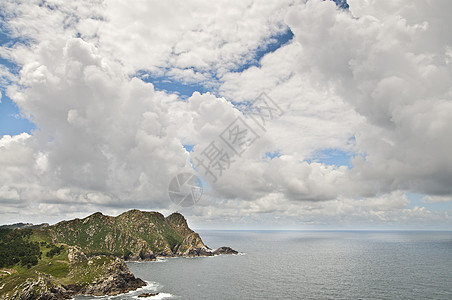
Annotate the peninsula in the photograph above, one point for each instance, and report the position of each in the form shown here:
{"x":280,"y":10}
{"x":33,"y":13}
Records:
{"x":87,"y":256}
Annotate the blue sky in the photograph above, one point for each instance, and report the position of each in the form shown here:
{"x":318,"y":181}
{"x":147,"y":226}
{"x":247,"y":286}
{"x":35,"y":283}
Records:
{"x":186,"y":89}
{"x":332,"y":157}
{"x":11,"y":121}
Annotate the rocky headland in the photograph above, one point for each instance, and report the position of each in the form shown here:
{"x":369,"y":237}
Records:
{"x":89,"y":254}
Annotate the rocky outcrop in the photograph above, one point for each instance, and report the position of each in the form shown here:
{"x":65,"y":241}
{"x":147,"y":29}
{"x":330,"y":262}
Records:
{"x":118,"y":280}
{"x":209,"y":252}
{"x":42,"y":288}
{"x":192,"y":246}
{"x":224,"y":250}
{"x":75,"y":254}
{"x":143,"y":255}
{"x":178,"y":222}
{"x":146,"y":295}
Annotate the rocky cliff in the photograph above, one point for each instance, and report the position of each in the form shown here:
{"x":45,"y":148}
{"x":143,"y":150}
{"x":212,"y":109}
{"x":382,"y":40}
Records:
{"x":86,"y":256}
{"x":96,"y":276}
{"x":133,"y":235}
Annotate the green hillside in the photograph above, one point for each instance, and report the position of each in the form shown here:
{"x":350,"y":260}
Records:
{"x":133,"y":235}
{"x":85,"y":256}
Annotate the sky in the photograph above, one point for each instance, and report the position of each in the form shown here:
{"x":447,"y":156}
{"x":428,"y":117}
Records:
{"x":293,"y":114}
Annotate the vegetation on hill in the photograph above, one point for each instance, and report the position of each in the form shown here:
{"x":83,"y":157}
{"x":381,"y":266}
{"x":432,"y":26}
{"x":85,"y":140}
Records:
{"x":67,"y":272}
{"x":84,"y":256}
{"x":132,"y":235}
{"x":15,"y":248}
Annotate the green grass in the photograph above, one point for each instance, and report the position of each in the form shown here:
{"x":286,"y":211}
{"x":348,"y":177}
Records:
{"x":54,"y":268}
{"x":80,"y":273}
{"x":85,"y":273}
{"x":11,"y":281}
{"x":58,"y":266}
{"x":98,"y":234}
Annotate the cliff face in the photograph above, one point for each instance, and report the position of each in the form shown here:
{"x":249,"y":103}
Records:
{"x":133,"y":235}
{"x":84,"y":256}
{"x":98,"y":276}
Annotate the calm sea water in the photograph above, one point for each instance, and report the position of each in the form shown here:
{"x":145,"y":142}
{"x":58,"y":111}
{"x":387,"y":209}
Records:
{"x":308,"y":265}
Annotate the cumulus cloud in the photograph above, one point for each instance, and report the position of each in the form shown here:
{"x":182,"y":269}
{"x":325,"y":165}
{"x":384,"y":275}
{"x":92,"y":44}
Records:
{"x":372,"y":81}
{"x":193,"y":40}
{"x":100,"y":138}
{"x":190,"y":41}
{"x":378,"y":73}
{"x":388,"y":60}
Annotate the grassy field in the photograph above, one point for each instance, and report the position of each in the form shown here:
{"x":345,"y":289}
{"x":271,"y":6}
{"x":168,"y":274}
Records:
{"x":57,"y":266}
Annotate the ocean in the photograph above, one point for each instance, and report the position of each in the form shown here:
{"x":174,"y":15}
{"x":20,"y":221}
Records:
{"x":307,"y":265}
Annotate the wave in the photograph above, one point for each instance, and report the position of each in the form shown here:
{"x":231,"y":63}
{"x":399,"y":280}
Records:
{"x":153,"y":287}
{"x":161,"y":259}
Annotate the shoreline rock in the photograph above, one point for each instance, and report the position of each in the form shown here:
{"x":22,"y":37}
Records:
{"x":146,"y":295}
{"x":195,"y":252}
{"x":119,"y":280}
{"x":225,"y":250}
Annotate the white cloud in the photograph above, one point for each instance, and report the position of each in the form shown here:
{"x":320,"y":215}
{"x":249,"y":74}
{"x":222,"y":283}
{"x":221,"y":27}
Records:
{"x":207,"y":38}
{"x":276,"y":211}
{"x":378,"y":73}
{"x":436,"y":199}
{"x":101,"y":137}
{"x":374,"y":81}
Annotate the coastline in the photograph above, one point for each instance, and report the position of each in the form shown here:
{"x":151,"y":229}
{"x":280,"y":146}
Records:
{"x":88,"y":256}
{"x":115,"y":278}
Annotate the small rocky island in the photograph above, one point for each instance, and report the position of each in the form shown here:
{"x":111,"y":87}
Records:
{"x":87,"y":256}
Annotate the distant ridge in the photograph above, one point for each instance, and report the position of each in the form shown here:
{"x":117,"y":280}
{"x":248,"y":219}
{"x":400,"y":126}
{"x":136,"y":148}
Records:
{"x":24,"y":225}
